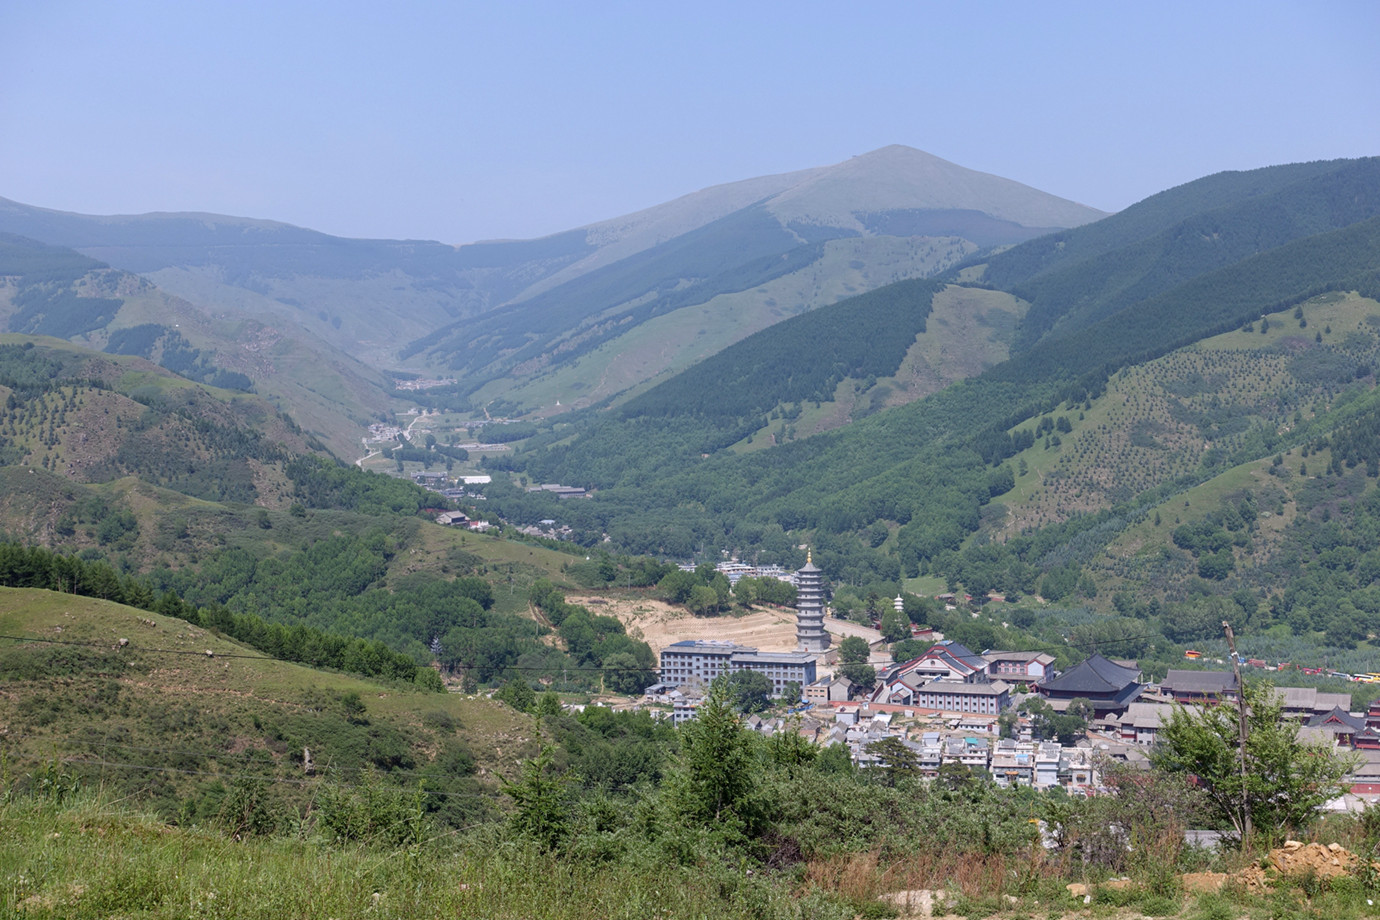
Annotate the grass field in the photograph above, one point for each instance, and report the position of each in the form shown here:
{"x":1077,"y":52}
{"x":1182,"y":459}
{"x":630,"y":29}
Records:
{"x":172,"y":713}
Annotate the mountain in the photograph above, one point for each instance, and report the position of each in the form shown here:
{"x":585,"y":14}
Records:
{"x":875,"y":193}
{"x":1075,"y":278}
{"x":51,"y":290}
{"x":515,"y":318}
{"x":724,"y":457}
{"x":678,"y":282}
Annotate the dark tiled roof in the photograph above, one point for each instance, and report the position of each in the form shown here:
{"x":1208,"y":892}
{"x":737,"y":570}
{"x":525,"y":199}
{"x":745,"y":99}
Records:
{"x":1200,"y":682}
{"x":1338,"y":719}
{"x":1096,"y":676}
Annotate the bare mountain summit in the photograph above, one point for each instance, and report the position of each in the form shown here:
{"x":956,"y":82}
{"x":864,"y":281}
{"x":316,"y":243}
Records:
{"x":855,"y":197}
{"x":594,"y":310}
{"x":899,"y":178}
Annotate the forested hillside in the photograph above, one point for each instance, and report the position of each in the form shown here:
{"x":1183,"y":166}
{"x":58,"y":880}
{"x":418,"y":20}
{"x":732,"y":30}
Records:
{"x":95,"y":419}
{"x":49,"y":290}
{"x":1076,"y":278}
{"x":1144,"y":220}
{"x":1055,"y":472}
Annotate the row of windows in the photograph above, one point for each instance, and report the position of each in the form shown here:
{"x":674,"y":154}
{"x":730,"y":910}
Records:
{"x":963,"y":704}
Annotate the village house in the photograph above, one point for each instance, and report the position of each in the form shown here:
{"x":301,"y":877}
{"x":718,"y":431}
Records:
{"x":1076,"y":769}
{"x":829,"y":690}
{"x":1189,"y":687}
{"x":1340,"y":726}
{"x":1140,"y":723}
{"x":1365,"y":776}
{"x":1018,"y":666}
{"x":1013,"y":763}
{"x":973,"y":753}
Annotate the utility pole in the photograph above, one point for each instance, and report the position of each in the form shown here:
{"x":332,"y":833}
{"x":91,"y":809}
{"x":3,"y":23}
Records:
{"x":1241,"y":720}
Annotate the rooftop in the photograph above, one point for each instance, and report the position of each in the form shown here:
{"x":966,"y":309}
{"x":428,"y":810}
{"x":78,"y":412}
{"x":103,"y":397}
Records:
{"x":709,"y":645}
{"x":744,"y":654}
{"x":1096,"y":675}
{"x":1204,"y":682}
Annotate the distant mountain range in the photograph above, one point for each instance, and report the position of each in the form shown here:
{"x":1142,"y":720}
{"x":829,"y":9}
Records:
{"x":800,"y":428}
{"x":917,"y":370}
{"x":586,"y":314}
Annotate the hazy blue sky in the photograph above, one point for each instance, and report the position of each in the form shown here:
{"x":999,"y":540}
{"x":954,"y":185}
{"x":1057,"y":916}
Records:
{"x":457,"y":121}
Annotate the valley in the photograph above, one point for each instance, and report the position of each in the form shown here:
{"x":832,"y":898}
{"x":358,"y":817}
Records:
{"x":350,"y":541}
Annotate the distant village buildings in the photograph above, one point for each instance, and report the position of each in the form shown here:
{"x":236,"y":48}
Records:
{"x":699,"y":662}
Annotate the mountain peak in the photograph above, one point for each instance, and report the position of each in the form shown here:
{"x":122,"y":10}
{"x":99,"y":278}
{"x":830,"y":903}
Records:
{"x":897,"y":177}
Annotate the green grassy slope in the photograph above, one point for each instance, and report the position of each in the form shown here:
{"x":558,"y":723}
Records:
{"x":1237,"y":394}
{"x":161,"y":719}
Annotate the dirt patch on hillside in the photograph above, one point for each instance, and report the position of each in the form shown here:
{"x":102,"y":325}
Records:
{"x":659,"y":624}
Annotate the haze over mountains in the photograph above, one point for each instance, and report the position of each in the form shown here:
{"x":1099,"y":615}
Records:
{"x":1157,"y":412}
{"x":766,"y":345}
{"x":507,"y":312}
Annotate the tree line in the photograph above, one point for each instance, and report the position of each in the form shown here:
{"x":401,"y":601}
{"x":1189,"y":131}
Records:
{"x":34,"y":567}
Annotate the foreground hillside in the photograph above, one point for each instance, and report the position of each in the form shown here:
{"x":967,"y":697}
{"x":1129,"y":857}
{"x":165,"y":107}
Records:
{"x":740,"y":827}
{"x":184,"y":721}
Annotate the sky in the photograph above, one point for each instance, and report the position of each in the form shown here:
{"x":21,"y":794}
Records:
{"x":461,"y":121}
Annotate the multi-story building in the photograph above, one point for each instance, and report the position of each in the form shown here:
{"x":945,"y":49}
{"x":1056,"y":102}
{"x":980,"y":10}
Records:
{"x":697,"y":661}
{"x":700,"y":661}
{"x":1018,"y":666}
{"x":945,"y":695}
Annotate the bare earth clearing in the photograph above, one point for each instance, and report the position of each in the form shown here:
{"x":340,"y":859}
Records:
{"x":659,"y":624}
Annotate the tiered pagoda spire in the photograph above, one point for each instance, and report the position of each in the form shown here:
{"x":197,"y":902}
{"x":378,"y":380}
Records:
{"x":809,"y":609}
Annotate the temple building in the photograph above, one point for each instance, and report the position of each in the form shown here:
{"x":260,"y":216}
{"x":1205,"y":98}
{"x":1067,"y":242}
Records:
{"x":1109,"y":686}
{"x":809,"y":609}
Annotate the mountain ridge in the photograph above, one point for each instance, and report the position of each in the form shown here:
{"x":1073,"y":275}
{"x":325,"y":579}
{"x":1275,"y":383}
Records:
{"x":377,"y":299}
